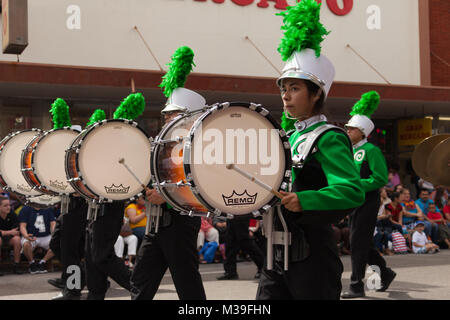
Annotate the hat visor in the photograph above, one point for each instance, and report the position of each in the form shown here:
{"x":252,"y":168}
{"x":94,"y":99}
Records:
{"x":292,"y":74}
{"x":172,"y":107}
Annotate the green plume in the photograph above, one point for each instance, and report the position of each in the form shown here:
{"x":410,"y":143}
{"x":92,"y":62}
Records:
{"x":60,"y":113}
{"x":131,"y":107}
{"x":180,"y":67}
{"x":97,"y":116}
{"x":367,"y":105}
{"x":286,"y":123}
{"x":302,"y":29}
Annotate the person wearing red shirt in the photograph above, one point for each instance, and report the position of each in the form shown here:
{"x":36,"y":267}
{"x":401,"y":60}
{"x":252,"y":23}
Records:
{"x":436,"y":217}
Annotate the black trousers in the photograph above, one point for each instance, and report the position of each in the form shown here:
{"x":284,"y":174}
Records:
{"x":67,"y":240}
{"x":237,"y":237}
{"x":101,"y":260}
{"x":173,"y":247}
{"x":318,"y":277}
{"x":362,"y":226}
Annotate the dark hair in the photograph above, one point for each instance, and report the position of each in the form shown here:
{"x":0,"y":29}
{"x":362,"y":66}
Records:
{"x":313,"y":89}
{"x":423,"y":189}
{"x":394,"y":195}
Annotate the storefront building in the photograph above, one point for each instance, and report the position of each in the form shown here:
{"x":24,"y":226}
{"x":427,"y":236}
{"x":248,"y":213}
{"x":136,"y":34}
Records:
{"x":94,"y":53}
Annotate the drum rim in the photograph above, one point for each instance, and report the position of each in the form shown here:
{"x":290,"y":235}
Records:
{"x":155,"y":151}
{"x":40,"y":138}
{"x":77,"y":147}
{"x":282,"y":134}
{"x":3,"y":142}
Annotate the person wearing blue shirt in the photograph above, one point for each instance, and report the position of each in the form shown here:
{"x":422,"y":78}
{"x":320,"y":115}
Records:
{"x":36,"y":226}
{"x":423,"y":202}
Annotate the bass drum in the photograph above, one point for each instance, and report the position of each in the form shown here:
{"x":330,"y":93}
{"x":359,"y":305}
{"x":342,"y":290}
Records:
{"x":92,"y":161}
{"x":43,"y":161}
{"x":11,"y":177}
{"x":191,"y":152}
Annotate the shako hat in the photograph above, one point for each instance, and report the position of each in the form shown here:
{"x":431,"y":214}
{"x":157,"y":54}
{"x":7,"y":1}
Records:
{"x":178,"y":97}
{"x":362,"y":111}
{"x":300,"y":46}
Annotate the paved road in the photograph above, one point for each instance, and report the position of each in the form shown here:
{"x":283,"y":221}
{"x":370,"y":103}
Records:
{"x":418,"y":277}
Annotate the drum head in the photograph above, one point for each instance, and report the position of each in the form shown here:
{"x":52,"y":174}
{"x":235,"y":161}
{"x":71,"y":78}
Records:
{"x":48,"y":160}
{"x":250,"y":141}
{"x":98,"y":160}
{"x":10,"y":163}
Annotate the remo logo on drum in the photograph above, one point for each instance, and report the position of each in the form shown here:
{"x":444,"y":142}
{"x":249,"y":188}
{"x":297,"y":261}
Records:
{"x":239,"y":199}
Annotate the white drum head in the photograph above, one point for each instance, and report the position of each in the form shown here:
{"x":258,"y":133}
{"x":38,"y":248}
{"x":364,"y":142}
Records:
{"x":99,"y":155}
{"x":10,"y":163}
{"x":247,"y":139}
{"x":49,"y":160}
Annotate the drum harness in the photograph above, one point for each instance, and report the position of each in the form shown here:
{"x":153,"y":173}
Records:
{"x":284,"y":237}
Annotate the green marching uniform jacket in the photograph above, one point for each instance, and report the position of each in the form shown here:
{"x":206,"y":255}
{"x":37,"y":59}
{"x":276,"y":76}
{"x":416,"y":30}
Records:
{"x":372,"y":166}
{"x":341,"y":187}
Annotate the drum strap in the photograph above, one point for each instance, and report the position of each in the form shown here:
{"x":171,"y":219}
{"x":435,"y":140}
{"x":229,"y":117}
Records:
{"x":309,"y":146}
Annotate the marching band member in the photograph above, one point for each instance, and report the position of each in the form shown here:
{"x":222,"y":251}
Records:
{"x":174,"y":246}
{"x":325,"y":181}
{"x":374,"y":174}
{"x":103,"y":231}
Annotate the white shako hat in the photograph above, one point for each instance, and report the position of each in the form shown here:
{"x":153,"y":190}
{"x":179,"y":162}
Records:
{"x":361,"y":122}
{"x":362,"y":111}
{"x":306,"y":65}
{"x":184,"y":100}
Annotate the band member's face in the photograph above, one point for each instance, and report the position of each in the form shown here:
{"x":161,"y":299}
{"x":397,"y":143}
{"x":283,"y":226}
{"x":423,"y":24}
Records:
{"x":355,"y":134}
{"x":169,"y":116}
{"x":297,"y":100}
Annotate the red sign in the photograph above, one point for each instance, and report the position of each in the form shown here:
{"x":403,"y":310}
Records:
{"x":282,"y":4}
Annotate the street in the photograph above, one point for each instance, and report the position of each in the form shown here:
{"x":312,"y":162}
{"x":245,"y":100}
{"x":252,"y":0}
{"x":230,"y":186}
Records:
{"x":423,"y":277}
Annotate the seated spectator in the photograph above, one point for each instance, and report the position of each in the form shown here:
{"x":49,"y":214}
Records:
{"x":436,"y":218}
{"x":36,"y":226}
{"x":342,"y":235}
{"x":9,"y":231}
{"x":211,"y":234}
{"x":420,"y":243}
{"x":387,"y":223}
{"x":127,"y":237}
{"x":431,"y":229}
{"x":440,"y":198}
{"x":220,"y":223}
{"x":135,"y":212}
{"x":446,"y":211}
{"x":411,"y":212}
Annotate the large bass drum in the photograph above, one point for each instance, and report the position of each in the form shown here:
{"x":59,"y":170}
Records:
{"x":43,"y":161}
{"x":191,"y":152}
{"x":11,"y":177}
{"x":92,"y":161}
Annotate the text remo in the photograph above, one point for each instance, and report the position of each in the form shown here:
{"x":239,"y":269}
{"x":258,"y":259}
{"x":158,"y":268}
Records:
{"x":340,"y":10}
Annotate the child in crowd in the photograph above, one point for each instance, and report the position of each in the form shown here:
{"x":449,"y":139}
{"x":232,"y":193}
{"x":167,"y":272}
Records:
{"x":435,"y":217}
{"x":420,"y":243}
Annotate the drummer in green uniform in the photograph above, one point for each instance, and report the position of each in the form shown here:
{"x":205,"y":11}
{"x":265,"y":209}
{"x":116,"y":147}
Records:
{"x":374,"y":175}
{"x":325,"y":181}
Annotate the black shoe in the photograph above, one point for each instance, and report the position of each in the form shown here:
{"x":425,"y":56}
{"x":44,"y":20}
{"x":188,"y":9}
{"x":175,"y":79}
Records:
{"x":258,"y":274}
{"x":385,"y":283}
{"x":34,"y":268}
{"x":57,"y":283}
{"x":228,"y":276}
{"x":42,"y":267}
{"x":350,"y":294}
{"x":67,"y":296}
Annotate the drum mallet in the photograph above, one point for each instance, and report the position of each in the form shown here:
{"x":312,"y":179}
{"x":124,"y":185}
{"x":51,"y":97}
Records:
{"x":253,"y":179}
{"x":149,"y":208}
{"x":122,"y":161}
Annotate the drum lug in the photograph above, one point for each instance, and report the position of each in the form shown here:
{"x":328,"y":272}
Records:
{"x":286,"y":145}
{"x":282,"y":133}
{"x":256,"y":214}
{"x":230,"y":216}
{"x":288,"y":173}
{"x":266,"y":208}
{"x":217,"y":212}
